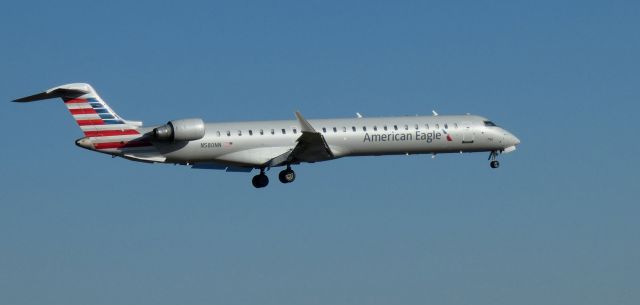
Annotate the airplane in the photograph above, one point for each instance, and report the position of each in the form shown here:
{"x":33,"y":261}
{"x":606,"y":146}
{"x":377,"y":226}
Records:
{"x":244,"y":146}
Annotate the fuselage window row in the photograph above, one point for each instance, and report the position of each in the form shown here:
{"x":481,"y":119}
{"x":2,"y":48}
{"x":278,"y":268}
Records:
{"x":344,"y":129}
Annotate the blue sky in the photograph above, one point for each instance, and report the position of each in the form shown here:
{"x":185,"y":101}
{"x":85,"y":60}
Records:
{"x":556,"y":224}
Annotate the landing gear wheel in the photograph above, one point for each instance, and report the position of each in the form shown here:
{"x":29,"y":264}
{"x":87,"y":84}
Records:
{"x":260,"y":181}
{"x":495,"y":164}
{"x":287,"y":176}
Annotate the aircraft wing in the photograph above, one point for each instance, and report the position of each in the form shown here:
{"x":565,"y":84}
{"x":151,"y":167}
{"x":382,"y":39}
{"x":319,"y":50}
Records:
{"x":311,"y":147}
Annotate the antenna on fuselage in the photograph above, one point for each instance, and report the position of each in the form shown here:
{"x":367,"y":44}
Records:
{"x":434,"y":112}
{"x":359,"y":115}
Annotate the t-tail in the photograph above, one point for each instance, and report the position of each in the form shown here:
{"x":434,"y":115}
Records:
{"x":103,"y":128}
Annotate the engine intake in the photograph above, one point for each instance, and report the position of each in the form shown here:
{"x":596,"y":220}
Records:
{"x":180,"y":130}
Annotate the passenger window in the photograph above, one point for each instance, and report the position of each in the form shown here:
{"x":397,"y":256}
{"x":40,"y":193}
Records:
{"x":446,"y":126}
{"x":417,"y":127}
{"x":324,"y":129}
{"x":273,"y":131}
{"x":364,"y":128}
{"x":395,"y":127}
{"x":437,"y":126}
{"x":284,"y":131}
{"x":228,"y":133}
{"x":426,"y":125}
{"x":384,"y":127}
{"x":406,"y":127}
{"x":335,"y":130}
{"x":295,"y":131}
{"x":218,"y":133}
{"x":353,"y":128}
{"x":250,"y":132}
{"x":239,"y":132}
{"x":344,"y":129}
{"x":261,"y":132}
{"x":375,"y":128}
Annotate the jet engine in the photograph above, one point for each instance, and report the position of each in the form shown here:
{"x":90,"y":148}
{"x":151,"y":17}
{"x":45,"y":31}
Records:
{"x":180,"y":130}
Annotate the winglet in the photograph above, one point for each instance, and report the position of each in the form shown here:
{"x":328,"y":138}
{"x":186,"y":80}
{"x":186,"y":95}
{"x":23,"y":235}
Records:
{"x":304,"y":124}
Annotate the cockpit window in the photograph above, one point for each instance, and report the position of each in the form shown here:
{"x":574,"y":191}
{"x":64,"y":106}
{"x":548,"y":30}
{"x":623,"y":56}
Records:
{"x":489,"y":123}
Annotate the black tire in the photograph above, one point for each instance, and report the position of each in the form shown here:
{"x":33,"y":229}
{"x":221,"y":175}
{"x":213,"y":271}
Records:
{"x":260,"y":181}
{"x":495,"y":164}
{"x":287,"y":176}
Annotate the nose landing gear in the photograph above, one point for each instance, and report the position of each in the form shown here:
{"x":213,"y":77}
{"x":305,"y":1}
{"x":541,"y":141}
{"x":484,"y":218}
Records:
{"x":495,"y":164}
{"x":493,"y":157}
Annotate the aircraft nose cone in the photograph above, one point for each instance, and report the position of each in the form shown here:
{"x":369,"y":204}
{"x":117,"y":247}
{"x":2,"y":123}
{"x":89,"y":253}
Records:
{"x":516,"y":141}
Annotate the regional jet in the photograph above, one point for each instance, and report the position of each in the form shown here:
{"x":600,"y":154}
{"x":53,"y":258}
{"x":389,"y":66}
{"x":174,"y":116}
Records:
{"x":261,"y":145}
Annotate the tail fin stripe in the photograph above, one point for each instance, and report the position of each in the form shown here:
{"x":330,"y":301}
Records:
{"x":79,"y":106}
{"x":90,"y":122}
{"x":91,"y":116}
{"x":103,"y":127}
{"x":106,"y":116}
{"x":82,"y":111}
{"x":113,"y":122}
{"x":75,"y":101}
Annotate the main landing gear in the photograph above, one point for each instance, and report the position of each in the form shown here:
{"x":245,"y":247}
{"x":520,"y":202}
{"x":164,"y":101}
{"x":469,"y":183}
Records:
{"x":493,"y":157}
{"x":287,"y":175}
{"x":261,"y":180}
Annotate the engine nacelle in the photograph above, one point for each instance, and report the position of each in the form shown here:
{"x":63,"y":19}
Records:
{"x":180,"y":130}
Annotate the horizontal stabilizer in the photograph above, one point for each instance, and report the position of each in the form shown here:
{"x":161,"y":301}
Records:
{"x":69,"y":91}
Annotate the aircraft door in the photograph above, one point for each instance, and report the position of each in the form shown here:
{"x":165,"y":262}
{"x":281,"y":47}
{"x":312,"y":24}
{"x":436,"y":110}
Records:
{"x":468,"y":135}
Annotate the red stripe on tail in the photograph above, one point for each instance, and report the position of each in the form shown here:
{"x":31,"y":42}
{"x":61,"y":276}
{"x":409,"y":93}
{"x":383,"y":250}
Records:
{"x":75,"y":101}
{"x":90,"y":122}
{"x":83,"y":111}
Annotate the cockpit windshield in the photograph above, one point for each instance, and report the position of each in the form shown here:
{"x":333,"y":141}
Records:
{"x":490,"y":124}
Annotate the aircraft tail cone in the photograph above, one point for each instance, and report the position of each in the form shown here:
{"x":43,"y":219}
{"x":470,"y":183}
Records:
{"x":85,"y":143}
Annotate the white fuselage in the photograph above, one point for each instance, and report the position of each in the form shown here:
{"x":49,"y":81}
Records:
{"x":254,"y":143}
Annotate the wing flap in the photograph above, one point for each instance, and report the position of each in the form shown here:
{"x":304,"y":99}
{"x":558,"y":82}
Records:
{"x":225,"y":167}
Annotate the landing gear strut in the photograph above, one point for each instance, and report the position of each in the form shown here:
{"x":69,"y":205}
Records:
{"x":493,"y":156}
{"x":287,"y":175}
{"x":261,"y":180}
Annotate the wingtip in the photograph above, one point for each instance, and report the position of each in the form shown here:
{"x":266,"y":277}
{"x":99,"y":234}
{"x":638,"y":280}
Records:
{"x":18,"y":100}
{"x":305,"y":126}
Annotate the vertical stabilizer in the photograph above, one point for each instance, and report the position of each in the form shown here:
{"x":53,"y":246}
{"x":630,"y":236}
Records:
{"x":102,"y":126}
